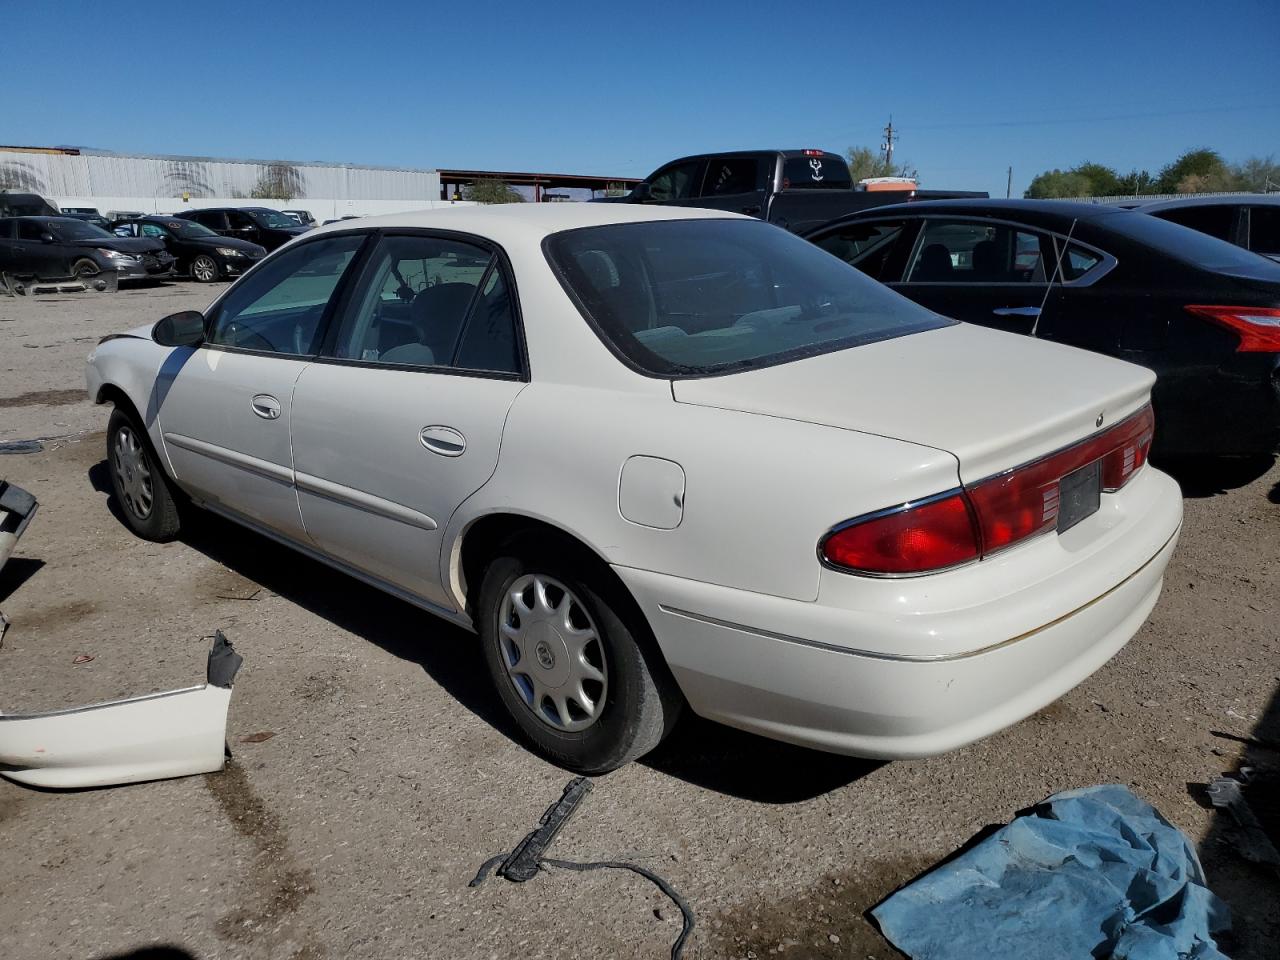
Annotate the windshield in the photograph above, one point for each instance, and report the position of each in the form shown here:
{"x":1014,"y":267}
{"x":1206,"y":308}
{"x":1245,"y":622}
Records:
{"x":188,"y":228}
{"x":68,"y":229}
{"x":697,"y":297}
{"x":274,"y":218}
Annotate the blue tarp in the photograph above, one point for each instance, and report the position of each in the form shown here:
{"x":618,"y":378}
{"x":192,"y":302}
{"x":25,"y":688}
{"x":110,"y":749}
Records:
{"x":1090,"y":873}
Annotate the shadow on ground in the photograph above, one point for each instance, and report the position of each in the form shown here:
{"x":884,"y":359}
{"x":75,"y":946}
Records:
{"x":699,"y":752}
{"x":1210,"y":476}
{"x":17,"y":571}
{"x":152,"y":953}
{"x":1252,"y":890}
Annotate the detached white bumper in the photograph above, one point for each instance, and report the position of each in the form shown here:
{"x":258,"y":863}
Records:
{"x":875,"y":688}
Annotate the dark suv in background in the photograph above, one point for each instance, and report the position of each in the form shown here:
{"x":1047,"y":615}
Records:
{"x":1249,"y":221}
{"x":261,"y":225}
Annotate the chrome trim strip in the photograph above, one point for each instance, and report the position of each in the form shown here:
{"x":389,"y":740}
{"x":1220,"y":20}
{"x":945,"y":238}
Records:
{"x":364,"y":501}
{"x":909,"y":658}
{"x":264,"y":468}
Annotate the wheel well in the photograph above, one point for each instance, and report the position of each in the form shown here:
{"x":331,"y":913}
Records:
{"x":110,"y":393}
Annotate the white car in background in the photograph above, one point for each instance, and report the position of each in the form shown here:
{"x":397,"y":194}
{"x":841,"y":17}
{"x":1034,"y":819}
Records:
{"x":657,"y":457}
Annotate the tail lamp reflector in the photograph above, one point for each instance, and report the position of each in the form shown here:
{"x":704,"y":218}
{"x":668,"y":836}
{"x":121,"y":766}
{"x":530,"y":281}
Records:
{"x":1257,"y":327}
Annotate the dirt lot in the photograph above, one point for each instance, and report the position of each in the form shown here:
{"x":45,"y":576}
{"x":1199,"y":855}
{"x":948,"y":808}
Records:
{"x":392,"y":774}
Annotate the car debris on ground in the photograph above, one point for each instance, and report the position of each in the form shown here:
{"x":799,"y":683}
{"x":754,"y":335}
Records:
{"x":17,"y":508}
{"x":529,"y":858}
{"x":175,"y":733}
{"x":1094,"y":872}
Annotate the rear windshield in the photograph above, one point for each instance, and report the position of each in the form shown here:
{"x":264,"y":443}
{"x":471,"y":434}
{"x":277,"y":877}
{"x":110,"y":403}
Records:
{"x":1181,"y":243}
{"x":827,"y":171}
{"x":697,"y":297}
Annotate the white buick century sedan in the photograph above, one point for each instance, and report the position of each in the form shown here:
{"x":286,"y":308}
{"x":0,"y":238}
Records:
{"x":664,"y":457}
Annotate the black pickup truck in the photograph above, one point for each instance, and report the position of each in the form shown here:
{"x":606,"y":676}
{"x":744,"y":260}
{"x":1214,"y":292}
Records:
{"x":796,"y":189}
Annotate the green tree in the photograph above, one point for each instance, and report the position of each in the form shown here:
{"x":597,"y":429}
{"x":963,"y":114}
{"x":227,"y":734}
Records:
{"x":1135,"y":182}
{"x":1196,"y":171}
{"x":278,"y":181}
{"x":1260,"y":174}
{"x":865,"y":163}
{"x":1059,"y":183}
{"x":492,"y":190}
{"x":1103,"y":181}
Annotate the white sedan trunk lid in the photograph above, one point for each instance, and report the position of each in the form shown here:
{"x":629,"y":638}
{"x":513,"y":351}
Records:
{"x":994,"y":400}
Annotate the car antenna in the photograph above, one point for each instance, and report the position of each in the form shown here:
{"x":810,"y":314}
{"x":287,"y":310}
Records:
{"x":1057,"y":273}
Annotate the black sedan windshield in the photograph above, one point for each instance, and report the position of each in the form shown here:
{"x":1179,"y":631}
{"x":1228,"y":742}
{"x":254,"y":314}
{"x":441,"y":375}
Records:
{"x":694,"y":297}
{"x":188,"y":229}
{"x":275,"y":219}
{"x":67,"y":230}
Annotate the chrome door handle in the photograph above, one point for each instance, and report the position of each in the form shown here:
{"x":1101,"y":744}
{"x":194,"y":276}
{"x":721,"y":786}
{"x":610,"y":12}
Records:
{"x":266,"y":406}
{"x":443,"y":440}
{"x":1016,"y":311}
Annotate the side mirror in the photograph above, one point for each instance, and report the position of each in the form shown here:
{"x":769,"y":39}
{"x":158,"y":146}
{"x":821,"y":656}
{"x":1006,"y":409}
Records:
{"x":185,"y":329}
{"x":47,"y":238}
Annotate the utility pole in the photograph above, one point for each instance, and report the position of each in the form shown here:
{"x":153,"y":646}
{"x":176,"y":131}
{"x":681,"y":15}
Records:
{"x":1008,"y":190}
{"x":887,"y":146}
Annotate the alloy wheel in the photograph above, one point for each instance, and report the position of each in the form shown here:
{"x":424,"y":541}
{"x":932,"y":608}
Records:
{"x":204,"y":269}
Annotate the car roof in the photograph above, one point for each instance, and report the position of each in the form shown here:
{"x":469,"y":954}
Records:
{"x":1030,"y":211}
{"x":1204,"y":200}
{"x":524,"y":222}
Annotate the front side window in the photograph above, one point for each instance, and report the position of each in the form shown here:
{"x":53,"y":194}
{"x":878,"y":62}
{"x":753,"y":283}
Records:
{"x":678,"y":182}
{"x":240,"y":221}
{"x":698,"y":297}
{"x":865,"y":245}
{"x":1264,"y":230}
{"x":730,"y":175}
{"x":431,"y":302}
{"x":973,"y":252}
{"x":1217,"y":220}
{"x":279,"y":307}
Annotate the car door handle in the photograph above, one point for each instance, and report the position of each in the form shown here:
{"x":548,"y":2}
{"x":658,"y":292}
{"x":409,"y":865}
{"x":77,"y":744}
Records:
{"x":266,"y":406}
{"x":751,"y":211}
{"x":443,"y":440}
{"x":1016,"y":311}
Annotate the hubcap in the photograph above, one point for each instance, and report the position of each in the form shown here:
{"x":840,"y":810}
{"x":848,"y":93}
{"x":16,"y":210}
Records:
{"x":203,"y":268}
{"x":553,"y":653}
{"x":133,"y":476}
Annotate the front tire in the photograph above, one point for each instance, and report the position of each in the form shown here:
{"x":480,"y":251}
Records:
{"x":142,"y":491}
{"x":572,"y":658}
{"x":84,"y":268}
{"x":204,"y":269}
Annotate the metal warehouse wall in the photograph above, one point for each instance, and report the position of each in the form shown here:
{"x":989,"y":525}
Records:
{"x":62,"y":175}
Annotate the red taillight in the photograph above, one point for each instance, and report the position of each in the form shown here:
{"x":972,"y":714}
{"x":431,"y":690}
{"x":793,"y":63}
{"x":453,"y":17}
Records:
{"x":929,"y":536}
{"x":989,"y":515}
{"x":1257,"y":327}
{"x":814,"y":153}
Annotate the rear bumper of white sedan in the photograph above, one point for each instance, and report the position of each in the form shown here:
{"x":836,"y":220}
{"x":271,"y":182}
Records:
{"x":865,"y":682}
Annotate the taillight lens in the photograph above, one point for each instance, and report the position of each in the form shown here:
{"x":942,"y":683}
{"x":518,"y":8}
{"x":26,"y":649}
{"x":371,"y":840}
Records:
{"x":1257,"y":327}
{"x":989,"y":515}
{"x":918,"y":538}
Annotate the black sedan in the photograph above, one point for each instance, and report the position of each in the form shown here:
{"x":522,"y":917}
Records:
{"x":261,"y":225}
{"x":1249,"y":220}
{"x":199,"y":251}
{"x":51,"y":248}
{"x":1202,"y":313}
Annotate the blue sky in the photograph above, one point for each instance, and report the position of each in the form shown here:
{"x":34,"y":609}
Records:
{"x":614,"y":89}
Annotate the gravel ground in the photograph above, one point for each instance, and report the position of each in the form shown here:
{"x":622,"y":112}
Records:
{"x":391,"y":775}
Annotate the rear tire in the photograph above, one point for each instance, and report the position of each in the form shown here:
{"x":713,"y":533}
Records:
{"x":142,"y":490}
{"x":589,"y":705}
{"x":205,"y":269}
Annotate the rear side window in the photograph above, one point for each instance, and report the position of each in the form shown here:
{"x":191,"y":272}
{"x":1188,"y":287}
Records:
{"x":432,"y":302}
{"x":1216,"y":220}
{"x":971,"y":252}
{"x":1264,"y":230}
{"x":699,"y":297}
{"x":865,"y":245}
{"x":30,"y":230}
{"x":730,"y":175}
{"x":278,"y":307}
{"x":826,"y":171}
{"x":1078,"y":262}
